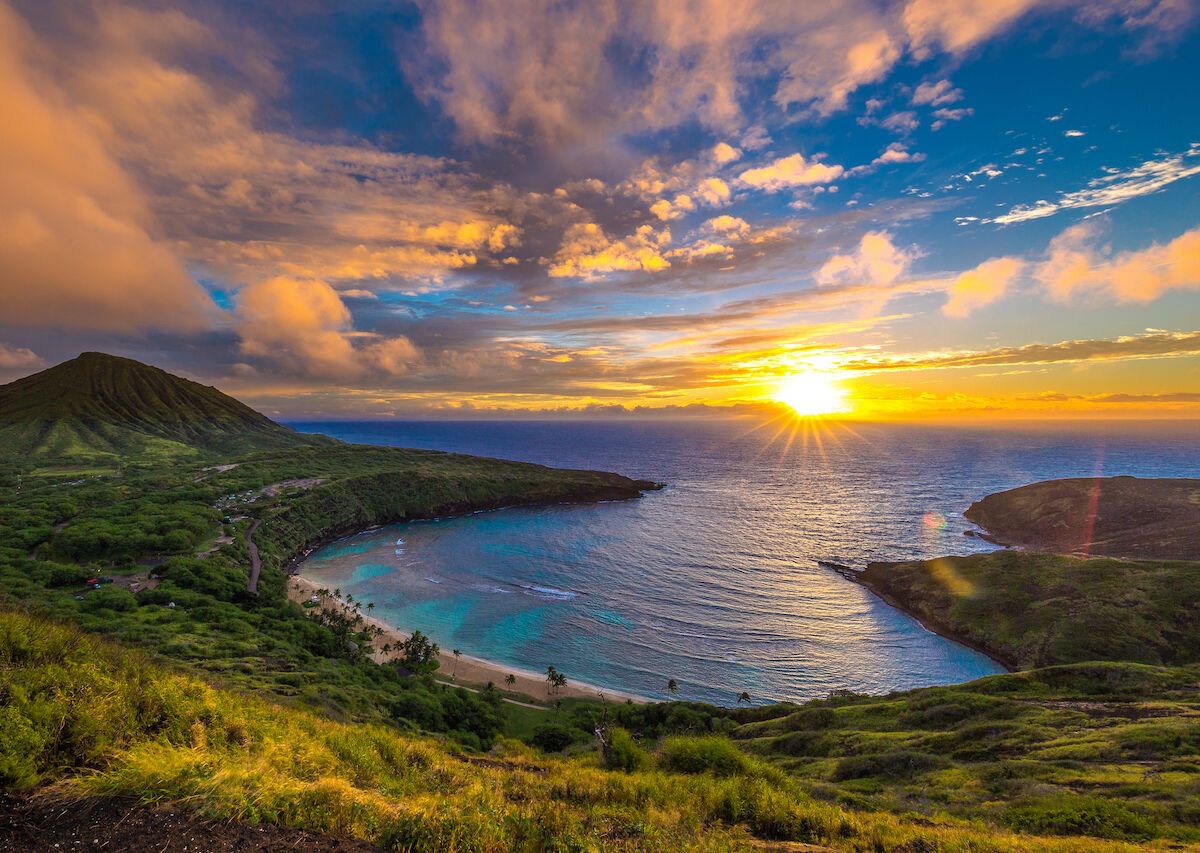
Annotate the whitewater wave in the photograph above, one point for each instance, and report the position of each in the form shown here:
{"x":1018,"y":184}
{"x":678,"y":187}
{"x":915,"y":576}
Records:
{"x":550,"y":592}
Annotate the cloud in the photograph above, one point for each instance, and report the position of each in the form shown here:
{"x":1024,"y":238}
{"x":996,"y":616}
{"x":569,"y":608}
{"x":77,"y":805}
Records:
{"x":301,"y":320}
{"x":936,"y":94}
{"x":981,"y":286}
{"x":1115,"y":187}
{"x":1152,"y":344}
{"x":723,"y":153}
{"x":896,"y":152}
{"x":587,"y":252}
{"x":876,"y":261}
{"x":19,"y":357}
{"x":726,"y":224}
{"x":957,"y":25}
{"x":942,"y":116}
{"x":78,"y":244}
{"x":304,"y":327}
{"x":1076,"y":266}
{"x":677,"y":207}
{"x":791,"y":171}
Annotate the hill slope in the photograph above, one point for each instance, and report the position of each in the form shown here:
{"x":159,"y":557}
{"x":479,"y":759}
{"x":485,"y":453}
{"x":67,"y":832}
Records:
{"x":97,"y":405}
{"x":1109,"y":516}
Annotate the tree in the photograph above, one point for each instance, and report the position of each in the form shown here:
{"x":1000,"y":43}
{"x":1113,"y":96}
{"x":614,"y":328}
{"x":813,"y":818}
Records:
{"x":418,"y":655}
{"x":551,"y":679}
{"x":560,"y":681}
{"x":370,"y":606}
{"x":672,"y":686}
{"x":457,"y":655}
{"x":510,"y":680}
{"x":744,"y":697}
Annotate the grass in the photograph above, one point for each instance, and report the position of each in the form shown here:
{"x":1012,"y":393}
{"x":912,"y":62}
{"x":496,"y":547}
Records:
{"x":1033,"y":610}
{"x":82,"y":718}
{"x":1110,"y":749}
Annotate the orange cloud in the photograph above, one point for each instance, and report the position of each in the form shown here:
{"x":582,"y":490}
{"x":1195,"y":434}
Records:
{"x":956,"y":25}
{"x":303,"y":325}
{"x":981,"y":286}
{"x":1075,"y":266}
{"x":876,"y":261}
{"x":790,"y":171}
{"x":587,"y":252}
{"x":77,"y":239}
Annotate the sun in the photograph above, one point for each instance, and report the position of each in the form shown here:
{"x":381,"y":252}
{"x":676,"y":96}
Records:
{"x":812,"y":393}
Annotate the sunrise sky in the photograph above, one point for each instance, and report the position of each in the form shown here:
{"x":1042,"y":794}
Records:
{"x":953,"y":208}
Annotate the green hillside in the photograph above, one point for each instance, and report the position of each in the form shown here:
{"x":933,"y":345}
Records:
{"x":1131,"y":517}
{"x":1032,"y":610}
{"x":87,"y":721}
{"x":97,"y":406}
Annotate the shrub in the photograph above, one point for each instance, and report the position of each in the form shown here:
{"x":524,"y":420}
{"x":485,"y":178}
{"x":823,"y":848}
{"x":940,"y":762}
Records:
{"x":803,"y":743}
{"x":714,"y":754}
{"x":552,"y":737}
{"x":111,"y":598}
{"x":1070,"y":815}
{"x":623,"y":752}
{"x":809,"y":718}
{"x":897,"y":763}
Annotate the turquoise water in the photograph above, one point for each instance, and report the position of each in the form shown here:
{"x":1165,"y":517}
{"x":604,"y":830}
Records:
{"x":712,"y":581}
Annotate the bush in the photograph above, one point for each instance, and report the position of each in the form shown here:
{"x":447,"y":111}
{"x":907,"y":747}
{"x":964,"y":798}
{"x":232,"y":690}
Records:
{"x":809,"y":718}
{"x":1082,"y":816}
{"x":804,"y":743}
{"x":552,"y":737}
{"x":898,"y":763}
{"x":623,"y":752}
{"x":110,"y":598}
{"x":714,"y":754}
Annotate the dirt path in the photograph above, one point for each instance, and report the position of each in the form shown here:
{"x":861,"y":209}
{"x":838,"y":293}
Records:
{"x":255,"y":561}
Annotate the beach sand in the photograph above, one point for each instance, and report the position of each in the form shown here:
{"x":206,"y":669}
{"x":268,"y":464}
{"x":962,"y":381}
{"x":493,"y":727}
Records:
{"x":471,"y":672}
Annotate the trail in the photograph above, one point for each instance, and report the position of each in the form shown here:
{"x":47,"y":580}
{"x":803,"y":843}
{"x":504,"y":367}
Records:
{"x":255,"y":561}
{"x":502,"y":698}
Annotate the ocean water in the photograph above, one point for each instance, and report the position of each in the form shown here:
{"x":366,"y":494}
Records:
{"x":714,"y":580}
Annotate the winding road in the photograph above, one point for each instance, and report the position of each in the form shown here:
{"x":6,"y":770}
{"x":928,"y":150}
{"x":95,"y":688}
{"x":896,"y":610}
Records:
{"x":255,"y":560}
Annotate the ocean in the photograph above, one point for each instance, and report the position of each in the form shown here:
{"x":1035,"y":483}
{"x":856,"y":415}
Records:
{"x":713,"y":581}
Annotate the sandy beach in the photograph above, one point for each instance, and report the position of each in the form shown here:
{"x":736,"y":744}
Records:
{"x":469,"y":671}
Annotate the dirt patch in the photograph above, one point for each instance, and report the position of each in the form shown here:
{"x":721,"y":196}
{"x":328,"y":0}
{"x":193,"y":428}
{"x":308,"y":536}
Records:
{"x":35,"y":824}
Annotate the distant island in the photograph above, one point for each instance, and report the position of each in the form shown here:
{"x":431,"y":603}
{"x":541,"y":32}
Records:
{"x":157,"y":683}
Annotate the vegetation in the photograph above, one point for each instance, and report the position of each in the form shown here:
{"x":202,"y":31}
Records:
{"x":100,"y":407}
{"x":246,"y":706}
{"x":1032,"y":610}
{"x":82,"y":717}
{"x":1111,"y":516}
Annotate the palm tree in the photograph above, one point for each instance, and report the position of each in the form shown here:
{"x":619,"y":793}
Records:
{"x":510,"y":680}
{"x":370,"y":606}
{"x":744,"y":697}
{"x":457,"y":654}
{"x":551,"y":679}
{"x":672,"y":686}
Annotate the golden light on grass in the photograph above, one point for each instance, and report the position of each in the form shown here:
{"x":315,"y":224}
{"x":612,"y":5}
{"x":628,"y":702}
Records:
{"x":812,"y":393}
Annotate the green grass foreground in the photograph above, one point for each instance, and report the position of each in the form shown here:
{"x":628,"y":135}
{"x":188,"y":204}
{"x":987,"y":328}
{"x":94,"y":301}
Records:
{"x":83,"y":717}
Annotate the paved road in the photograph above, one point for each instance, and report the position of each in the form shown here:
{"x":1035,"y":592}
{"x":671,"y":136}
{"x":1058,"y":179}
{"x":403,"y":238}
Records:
{"x":255,"y":561}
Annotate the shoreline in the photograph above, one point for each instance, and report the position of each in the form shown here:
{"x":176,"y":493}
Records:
{"x":855,"y":577}
{"x":470,"y":671}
